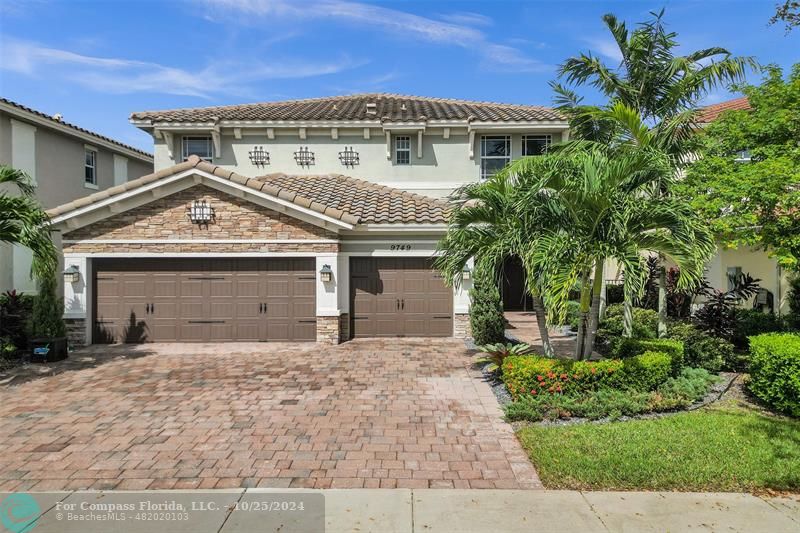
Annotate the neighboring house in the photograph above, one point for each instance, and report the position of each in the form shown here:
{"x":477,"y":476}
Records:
{"x":745,"y":259}
{"x":65,"y":162}
{"x":302,"y":220}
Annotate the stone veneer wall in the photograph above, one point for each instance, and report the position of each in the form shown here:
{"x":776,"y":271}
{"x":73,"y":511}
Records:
{"x":167,"y":218}
{"x":76,"y":331}
{"x":328,"y":329}
{"x":461,"y":326}
{"x":344,"y":327}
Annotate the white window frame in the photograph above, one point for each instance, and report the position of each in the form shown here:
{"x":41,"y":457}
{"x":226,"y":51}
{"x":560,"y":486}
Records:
{"x":743,"y":156}
{"x":548,"y":140}
{"x":185,"y":148}
{"x":506,"y":158}
{"x":90,"y":184}
{"x":406,"y":150}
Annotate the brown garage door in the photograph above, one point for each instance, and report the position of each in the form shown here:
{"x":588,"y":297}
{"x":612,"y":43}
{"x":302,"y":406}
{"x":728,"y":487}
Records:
{"x":399,"y":297}
{"x":195,"y":300}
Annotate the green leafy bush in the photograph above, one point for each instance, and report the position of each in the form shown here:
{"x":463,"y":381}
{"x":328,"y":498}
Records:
{"x":793,"y":298}
{"x":682,"y":391}
{"x":48,"y":310}
{"x":573,"y":314}
{"x":701,"y":350}
{"x":496,"y":354}
{"x":486,"y":312}
{"x":775,"y":370}
{"x":16,"y":309}
{"x":751,"y":322}
{"x":609,"y":334}
{"x":645,"y":372}
{"x":633,"y":347}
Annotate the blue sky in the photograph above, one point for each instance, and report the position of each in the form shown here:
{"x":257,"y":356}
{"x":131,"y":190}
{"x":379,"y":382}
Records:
{"x":97,"y":61}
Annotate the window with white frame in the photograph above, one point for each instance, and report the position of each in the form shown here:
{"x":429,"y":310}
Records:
{"x":535,"y":144}
{"x":90,"y":167}
{"x":495,"y":153}
{"x":199,"y":146}
{"x":402,"y":150}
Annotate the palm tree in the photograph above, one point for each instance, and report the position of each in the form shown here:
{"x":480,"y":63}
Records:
{"x":662,"y":87}
{"x":24,"y":222}
{"x":489,"y":223}
{"x":593,"y":205}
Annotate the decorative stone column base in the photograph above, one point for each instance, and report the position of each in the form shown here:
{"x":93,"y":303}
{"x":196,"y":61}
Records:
{"x":328,"y":329}
{"x":76,"y":331}
{"x":344,"y":327}
{"x":461,"y":326}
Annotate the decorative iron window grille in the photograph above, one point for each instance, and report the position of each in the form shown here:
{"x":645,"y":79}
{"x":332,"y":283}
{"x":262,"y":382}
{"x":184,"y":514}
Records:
{"x":258,"y":156}
{"x":348,"y":157}
{"x":200,"y":212}
{"x":304,"y":156}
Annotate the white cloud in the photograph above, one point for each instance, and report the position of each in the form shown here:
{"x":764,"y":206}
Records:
{"x":605,"y":47}
{"x":467,"y":19}
{"x":453,"y":32}
{"x":126,"y":76}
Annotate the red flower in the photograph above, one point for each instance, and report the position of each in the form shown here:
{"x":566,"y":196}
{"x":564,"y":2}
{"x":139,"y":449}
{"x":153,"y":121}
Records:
{"x":563,"y":376}
{"x":594,"y":370}
{"x":540,"y":378}
{"x":533,"y":391}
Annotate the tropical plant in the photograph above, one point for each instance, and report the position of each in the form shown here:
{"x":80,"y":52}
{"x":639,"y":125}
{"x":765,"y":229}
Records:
{"x":789,"y":13}
{"x":15,"y":314}
{"x":24,"y":222}
{"x":487,"y":322}
{"x":661,"y":87}
{"x":490,"y":222}
{"x":717,"y":316}
{"x":496,"y":354}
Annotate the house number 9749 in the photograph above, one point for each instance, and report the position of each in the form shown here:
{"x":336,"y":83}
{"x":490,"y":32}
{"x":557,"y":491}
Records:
{"x":400,"y":247}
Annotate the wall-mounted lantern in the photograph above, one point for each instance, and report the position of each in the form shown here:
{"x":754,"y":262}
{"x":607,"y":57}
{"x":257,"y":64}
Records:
{"x":72,"y":274}
{"x":325,"y":274}
{"x":348,"y":157}
{"x":304,"y":156}
{"x":200,"y":212}
{"x":258,"y":156}
{"x":466,"y":274}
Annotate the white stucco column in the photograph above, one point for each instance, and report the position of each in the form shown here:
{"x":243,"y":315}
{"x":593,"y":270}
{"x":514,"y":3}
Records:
{"x":327,"y":292}
{"x":76,"y":295}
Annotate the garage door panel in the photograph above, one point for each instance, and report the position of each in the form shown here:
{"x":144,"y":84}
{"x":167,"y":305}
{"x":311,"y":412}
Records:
{"x":305,"y":309}
{"x":305,"y":330}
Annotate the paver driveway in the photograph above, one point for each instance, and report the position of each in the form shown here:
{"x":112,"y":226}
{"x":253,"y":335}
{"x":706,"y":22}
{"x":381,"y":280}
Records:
{"x":368,"y":413}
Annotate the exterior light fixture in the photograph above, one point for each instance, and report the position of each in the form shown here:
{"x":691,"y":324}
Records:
{"x":466,"y":274}
{"x":304,"y":156}
{"x":72,"y":274}
{"x":348,"y":157}
{"x":325,"y":274}
{"x":258,"y":156}
{"x":200,"y":212}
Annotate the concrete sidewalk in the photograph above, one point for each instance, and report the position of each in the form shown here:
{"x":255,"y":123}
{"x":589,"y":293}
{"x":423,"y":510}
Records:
{"x":425,"y":510}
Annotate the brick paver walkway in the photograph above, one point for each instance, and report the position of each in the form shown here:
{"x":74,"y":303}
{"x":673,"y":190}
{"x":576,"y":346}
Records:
{"x":368,"y":413}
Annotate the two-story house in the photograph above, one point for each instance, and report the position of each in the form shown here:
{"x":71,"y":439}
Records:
{"x":65,"y":162}
{"x":301,"y":220}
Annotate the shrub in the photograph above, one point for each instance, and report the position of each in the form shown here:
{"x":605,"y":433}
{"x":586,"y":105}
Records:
{"x":609,"y":334}
{"x":573,"y":314}
{"x":48,"y":310}
{"x":691,"y":385}
{"x":701,"y":350}
{"x":486,"y":313}
{"x":615,"y":293}
{"x":751,"y":322}
{"x":592,"y":405}
{"x":496,"y":354}
{"x":633,"y":347}
{"x":645,"y":372}
{"x":775,"y":371}
{"x":15,"y":317}
{"x":793,"y":298}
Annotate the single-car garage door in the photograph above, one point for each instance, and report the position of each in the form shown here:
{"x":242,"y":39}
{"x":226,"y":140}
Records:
{"x":200,"y":300}
{"x":399,"y":297}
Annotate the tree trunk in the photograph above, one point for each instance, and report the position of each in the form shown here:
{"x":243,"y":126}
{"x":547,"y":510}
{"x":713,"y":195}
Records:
{"x":662,"y":302}
{"x":603,"y":301}
{"x":541,"y":321}
{"x":586,"y":302}
{"x":594,"y":316}
{"x":627,"y":318}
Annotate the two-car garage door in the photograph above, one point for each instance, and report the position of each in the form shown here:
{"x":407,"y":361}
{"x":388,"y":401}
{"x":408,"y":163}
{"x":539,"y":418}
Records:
{"x":204,"y":299}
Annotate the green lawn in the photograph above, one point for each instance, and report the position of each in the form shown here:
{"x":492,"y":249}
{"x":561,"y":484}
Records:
{"x":725,"y":448}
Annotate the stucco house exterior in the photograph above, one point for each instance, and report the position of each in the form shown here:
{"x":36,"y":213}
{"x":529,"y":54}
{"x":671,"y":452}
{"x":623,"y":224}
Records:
{"x":306,"y":220}
{"x":65,"y":162}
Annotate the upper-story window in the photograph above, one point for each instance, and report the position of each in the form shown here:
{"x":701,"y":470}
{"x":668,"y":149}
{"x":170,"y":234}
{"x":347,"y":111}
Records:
{"x":90,"y":167}
{"x":535,"y":144}
{"x":402,"y":150}
{"x":199,"y":146}
{"x":495,"y":153}
{"x":743,"y":156}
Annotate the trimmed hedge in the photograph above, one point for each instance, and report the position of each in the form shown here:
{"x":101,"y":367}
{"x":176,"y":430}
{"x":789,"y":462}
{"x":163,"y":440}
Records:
{"x":632,"y":347}
{"x":775,"y":371}
{"x":701,"y":350}
{"x":486,"y":312}
{"x":535,"y":375}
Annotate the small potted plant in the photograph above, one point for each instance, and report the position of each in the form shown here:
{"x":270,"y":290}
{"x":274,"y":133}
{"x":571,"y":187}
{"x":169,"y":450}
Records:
{"x":49,"y":342}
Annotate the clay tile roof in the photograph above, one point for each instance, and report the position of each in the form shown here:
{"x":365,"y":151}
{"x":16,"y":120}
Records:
{"x":369,"y":202}
{"x":711,"y":113}
{"x":76,"y":128}
{"x":350,"y":200}
{"x":387,"y":107}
